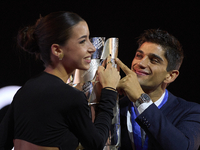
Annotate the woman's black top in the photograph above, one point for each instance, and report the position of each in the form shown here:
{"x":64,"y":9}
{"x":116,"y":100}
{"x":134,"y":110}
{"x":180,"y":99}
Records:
{"x":48,"y":112}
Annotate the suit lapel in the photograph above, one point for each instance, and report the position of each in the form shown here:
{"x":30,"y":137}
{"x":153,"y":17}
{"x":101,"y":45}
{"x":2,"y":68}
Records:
{"x":170,"y":106}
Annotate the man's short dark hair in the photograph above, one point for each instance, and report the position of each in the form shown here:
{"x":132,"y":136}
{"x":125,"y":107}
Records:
{"x":171,"y":46}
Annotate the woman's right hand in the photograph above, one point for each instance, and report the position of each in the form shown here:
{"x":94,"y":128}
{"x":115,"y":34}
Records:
{"x":109,"y":76}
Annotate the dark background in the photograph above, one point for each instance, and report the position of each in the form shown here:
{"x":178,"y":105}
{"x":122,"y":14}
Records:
{"x":123,"y":19}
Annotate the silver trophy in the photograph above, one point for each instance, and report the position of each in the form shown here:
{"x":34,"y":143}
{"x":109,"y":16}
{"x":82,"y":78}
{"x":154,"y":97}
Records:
{"x":92,"y":89}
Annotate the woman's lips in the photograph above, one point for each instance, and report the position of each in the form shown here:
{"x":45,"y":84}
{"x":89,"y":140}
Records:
{"x":88,"y":59}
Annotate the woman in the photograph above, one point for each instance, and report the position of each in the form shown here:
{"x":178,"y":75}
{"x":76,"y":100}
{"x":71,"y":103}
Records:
{"x":46,"y":113}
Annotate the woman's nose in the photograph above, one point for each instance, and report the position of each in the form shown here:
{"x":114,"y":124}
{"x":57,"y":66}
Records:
{"x":91,"y":48}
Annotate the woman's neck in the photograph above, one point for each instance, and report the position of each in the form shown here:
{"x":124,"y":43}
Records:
{"x":59,"y":72}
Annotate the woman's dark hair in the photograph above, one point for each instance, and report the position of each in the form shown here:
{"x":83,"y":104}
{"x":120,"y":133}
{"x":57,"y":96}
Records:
{"x":171,"y":46}
{"x":54,"y":28}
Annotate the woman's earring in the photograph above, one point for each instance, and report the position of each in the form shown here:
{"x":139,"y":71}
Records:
{"x":61,"y":56}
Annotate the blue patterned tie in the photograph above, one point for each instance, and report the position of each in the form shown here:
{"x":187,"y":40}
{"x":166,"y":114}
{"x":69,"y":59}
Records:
{"x":136,"y":128}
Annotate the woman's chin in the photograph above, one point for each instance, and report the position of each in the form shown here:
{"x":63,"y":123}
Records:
{"x":85,"y":68}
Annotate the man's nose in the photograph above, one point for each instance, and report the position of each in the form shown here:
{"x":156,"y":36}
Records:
{"x":144,"y":61}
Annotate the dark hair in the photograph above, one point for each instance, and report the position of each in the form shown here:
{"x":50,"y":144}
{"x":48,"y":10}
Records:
{"x":171,"y":46}
{"x":54,"y":28}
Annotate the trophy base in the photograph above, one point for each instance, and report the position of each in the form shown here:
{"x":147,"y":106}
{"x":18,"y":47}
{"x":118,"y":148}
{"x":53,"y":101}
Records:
{"x":110,"y":147}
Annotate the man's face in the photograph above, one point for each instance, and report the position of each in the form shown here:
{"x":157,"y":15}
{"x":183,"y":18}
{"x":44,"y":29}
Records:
{"x":150,"y":66}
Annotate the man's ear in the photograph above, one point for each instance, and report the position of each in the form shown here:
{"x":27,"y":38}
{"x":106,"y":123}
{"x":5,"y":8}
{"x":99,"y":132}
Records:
{"x":171,"y":76}
{"x":57,"y":51}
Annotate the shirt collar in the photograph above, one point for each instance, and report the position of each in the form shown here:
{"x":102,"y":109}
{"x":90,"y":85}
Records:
{"x":157,"y":103}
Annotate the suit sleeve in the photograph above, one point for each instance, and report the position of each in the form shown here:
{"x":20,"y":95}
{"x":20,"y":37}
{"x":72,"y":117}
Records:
{"x":179,"y":130}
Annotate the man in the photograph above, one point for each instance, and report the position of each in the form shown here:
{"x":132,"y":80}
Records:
{"x":151,"y":117}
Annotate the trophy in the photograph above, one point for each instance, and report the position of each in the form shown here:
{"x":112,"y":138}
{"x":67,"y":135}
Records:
{"x":92,"y":89}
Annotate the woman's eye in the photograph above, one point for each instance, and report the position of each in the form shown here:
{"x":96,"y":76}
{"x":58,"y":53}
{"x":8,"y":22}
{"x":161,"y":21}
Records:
{"x":81,"y":42}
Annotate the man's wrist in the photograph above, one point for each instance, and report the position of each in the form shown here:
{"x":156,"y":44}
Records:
{"x":144,"y":98}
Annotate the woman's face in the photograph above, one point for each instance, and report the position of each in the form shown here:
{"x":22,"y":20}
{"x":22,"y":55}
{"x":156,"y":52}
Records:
{"x":78,"y":49}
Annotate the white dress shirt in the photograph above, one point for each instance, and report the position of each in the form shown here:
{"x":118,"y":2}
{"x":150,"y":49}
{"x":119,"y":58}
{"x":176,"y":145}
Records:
{"x":140,"y":109}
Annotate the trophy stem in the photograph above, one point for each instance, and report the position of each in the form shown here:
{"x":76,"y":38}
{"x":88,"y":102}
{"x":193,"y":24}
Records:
{"x":80,"y":147}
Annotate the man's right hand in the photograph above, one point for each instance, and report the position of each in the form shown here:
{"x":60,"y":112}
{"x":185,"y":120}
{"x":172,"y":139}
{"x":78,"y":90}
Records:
{"x":129,"y":85}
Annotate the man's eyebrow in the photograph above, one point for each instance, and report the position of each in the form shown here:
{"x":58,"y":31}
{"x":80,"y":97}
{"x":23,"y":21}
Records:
{"x":140,"y":51}
{"x":151,"y":54}
{"x":156,"y":56}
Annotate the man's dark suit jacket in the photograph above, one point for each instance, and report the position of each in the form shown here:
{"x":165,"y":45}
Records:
{"x":176,"y":126}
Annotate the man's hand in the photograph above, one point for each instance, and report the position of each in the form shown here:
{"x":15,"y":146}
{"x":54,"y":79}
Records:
{"x":129,"y":85}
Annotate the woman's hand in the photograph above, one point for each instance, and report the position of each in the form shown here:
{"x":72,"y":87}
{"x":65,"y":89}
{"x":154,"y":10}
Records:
{"x":109,"y":76}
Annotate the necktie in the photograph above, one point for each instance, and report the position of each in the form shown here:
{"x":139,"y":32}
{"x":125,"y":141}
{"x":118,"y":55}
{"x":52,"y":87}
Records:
{"x":136,"y":128}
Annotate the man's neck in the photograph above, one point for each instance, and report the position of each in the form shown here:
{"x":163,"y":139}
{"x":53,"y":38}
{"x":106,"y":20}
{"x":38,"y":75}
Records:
{"x":155,"y":95}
